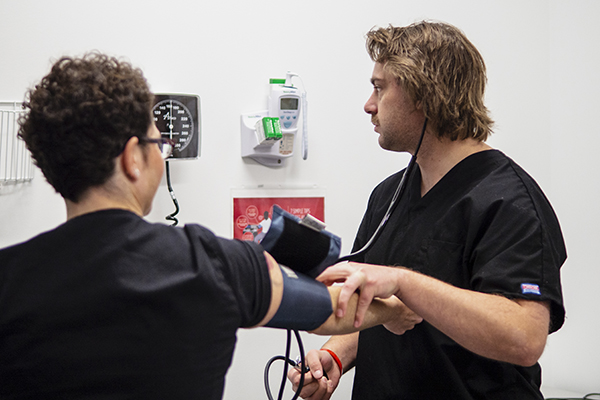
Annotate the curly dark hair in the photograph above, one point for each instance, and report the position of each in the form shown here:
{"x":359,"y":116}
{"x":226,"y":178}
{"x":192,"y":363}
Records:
{"x":79,"y":117}
{"x":441,"y":69}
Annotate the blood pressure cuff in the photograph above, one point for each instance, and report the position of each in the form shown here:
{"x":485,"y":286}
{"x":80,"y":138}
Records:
{"x":305,"y":304}
{"x":299,"y":247}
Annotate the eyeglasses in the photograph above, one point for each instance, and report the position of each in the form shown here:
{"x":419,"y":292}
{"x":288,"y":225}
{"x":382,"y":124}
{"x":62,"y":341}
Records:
{"x":166,"y":146}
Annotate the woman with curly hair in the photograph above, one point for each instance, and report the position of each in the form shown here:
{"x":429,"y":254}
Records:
{"x":108,"y":305}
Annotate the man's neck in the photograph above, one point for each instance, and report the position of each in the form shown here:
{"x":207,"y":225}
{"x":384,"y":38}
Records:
{"x":440,"y":156}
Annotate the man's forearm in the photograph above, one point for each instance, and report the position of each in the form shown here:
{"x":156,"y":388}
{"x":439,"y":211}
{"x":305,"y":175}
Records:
{"x":490,"y":325}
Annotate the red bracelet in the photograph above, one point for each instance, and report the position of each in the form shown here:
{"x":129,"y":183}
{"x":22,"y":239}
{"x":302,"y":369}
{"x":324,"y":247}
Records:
{"x":336,"y":359}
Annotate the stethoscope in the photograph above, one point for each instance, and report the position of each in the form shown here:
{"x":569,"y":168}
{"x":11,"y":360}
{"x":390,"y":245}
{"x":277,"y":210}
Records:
{"x":300,"y":363}
{"x":393,"y":203}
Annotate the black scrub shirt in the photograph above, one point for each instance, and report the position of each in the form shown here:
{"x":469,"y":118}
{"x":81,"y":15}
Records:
{"x":485,"y":226}
{"x":109,"y":306}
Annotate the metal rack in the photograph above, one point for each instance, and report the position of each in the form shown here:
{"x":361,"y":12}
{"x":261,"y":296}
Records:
{"x":16,"y":164}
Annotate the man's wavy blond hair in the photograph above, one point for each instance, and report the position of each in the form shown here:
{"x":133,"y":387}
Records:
{"x":441,"y":70}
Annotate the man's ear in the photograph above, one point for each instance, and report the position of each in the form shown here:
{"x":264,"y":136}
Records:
{"x":131,"y":158}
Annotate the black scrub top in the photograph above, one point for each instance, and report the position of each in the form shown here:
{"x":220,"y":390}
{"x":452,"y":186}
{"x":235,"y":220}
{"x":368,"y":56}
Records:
{"x":485,"y":226}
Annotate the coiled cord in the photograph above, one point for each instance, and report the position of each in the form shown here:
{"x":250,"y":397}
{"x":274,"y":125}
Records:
{"x":171,"y":217}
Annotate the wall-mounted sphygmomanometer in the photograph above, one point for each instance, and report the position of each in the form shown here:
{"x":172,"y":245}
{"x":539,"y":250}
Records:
{"x":177,"y":117}
{"x":268,"y":136}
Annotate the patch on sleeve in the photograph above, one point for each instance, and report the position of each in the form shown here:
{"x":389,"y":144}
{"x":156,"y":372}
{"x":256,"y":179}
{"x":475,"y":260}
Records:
{"x":530,"y":288}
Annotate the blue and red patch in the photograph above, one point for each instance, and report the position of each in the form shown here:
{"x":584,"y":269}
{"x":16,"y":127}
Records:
{"x":530,"y":288}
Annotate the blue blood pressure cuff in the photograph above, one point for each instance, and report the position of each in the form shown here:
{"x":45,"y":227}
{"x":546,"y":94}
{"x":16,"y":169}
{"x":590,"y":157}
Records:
{"x":300,"y":245}
{"x":305,"y":304}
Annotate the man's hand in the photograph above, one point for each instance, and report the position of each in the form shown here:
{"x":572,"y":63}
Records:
{"x":370,"y":280}
{"x":405,"y":318}
{"x":316,"y":385}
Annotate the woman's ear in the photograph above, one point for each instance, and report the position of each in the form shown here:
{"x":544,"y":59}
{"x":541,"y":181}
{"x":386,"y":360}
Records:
{"x":131,"y":158}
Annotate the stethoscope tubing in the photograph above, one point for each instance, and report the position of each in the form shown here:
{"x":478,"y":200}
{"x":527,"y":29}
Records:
{"x":393,"y":203}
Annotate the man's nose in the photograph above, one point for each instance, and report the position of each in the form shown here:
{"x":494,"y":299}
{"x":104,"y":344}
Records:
{"x":370,"y":106}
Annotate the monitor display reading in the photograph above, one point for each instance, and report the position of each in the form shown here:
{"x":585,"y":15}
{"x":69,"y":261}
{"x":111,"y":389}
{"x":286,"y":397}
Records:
{"x":289,"y":103}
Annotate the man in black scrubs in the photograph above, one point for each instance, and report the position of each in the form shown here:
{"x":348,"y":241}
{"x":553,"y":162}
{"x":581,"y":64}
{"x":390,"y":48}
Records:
{"x":473,"y":247}
{"x":110,"y":306}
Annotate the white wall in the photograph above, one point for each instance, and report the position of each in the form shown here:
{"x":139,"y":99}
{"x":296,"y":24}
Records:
{"x":543,"y":93}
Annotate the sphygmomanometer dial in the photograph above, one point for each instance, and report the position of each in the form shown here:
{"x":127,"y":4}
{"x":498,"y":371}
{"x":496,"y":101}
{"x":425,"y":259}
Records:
{"x":174,"y":121}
